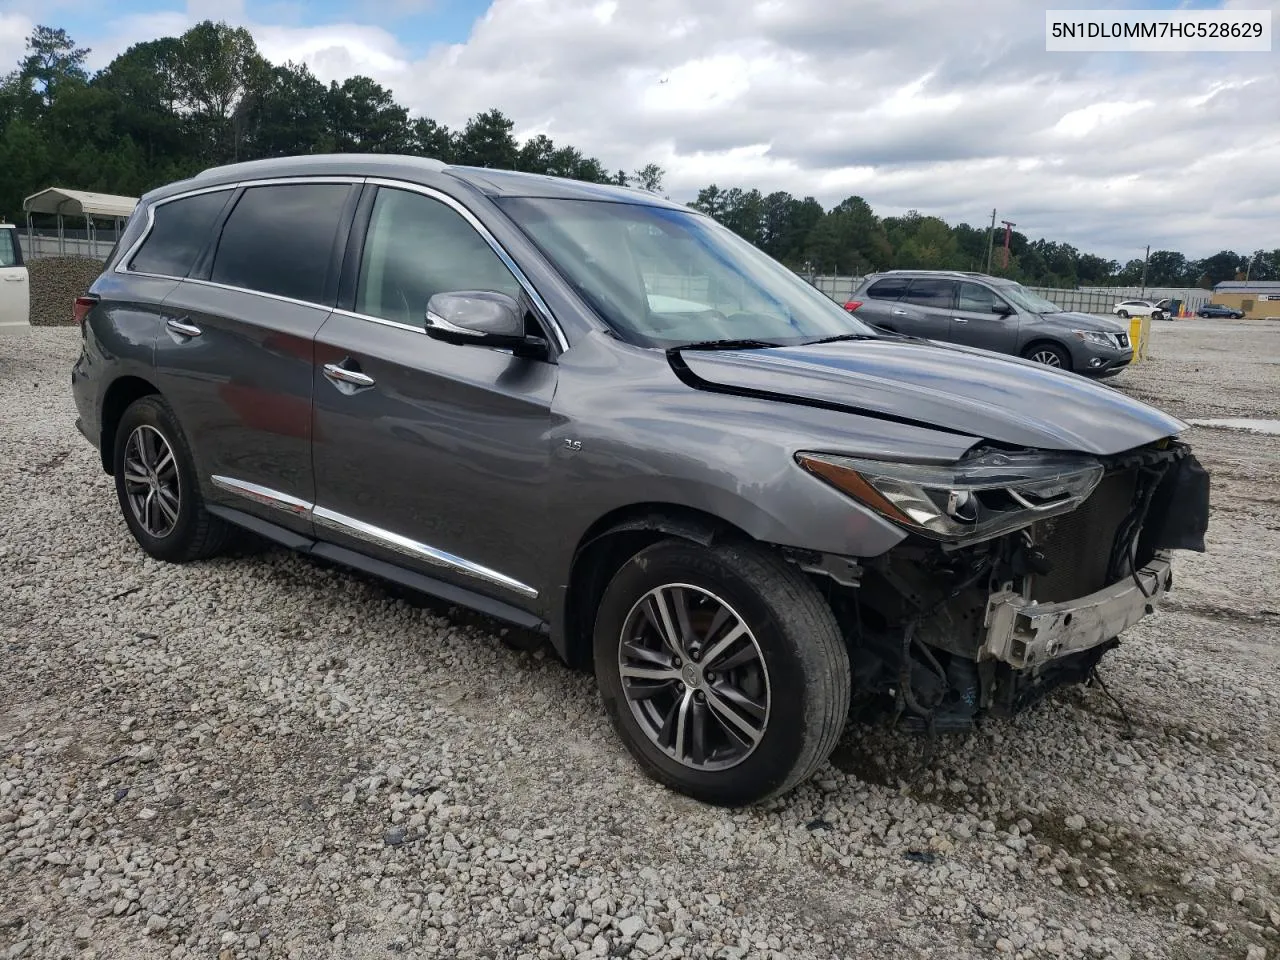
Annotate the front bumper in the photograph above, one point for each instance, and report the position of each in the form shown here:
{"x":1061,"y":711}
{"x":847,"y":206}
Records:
{"x":1027,"y":635}
{"x":1095,"y":360}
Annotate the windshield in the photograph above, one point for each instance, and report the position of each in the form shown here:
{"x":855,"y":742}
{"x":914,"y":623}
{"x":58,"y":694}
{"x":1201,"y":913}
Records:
{"x":663,"y":277}
{"x":1027,"y":300}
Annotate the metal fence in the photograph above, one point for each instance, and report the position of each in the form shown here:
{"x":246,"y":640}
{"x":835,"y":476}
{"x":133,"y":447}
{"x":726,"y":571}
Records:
{"x":37,"y":246}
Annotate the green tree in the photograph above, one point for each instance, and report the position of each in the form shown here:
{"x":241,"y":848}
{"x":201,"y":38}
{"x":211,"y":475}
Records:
{"x":365,"y":118}
{"x":649,"y":177}
{"x":216,"y":66}
{"x":53,"y":61}
{"x":486,"y":141}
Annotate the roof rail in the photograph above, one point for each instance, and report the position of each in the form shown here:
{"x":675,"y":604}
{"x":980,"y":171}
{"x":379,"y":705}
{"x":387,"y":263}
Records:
{"x":249,"y":167}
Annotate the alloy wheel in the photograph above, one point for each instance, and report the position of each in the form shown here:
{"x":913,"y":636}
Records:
{"x":694,"y":677}
{"x":1047,"y":357}
{"x":151,"y":481}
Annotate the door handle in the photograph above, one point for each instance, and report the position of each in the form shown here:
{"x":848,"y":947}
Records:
{"x":16,"y":278}
{"x":182,"y":328}
{"x":899,"y":313}
{"x":959,"y":319}
{"x":347,"y":381}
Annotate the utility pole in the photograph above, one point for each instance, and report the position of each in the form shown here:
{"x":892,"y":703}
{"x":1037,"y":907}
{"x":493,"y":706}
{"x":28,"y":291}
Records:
{"x":1145,"y":258}
{"x":991,"y":239}
{"x":1249,"y":268}
{"x":1008,"y":234}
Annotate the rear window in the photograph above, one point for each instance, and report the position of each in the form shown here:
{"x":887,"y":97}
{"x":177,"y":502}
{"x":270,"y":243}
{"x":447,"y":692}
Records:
{"x":932,"y":293}
{"x":181,"y":230}
{"x":891,"y":288}
{"x":279,"y":239}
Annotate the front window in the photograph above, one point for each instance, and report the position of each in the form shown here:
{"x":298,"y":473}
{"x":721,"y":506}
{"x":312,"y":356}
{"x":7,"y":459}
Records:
{"x":663,"y":277}
{"x":1028,"y":301}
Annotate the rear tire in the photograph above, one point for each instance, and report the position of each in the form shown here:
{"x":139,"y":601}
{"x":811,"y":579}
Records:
{"x":1049,"y":355}
{"x":732,"y":721}
{"x":156,"y":485}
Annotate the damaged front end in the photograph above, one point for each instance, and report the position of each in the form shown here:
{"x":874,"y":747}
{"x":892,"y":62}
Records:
{"x":1021,"y":572}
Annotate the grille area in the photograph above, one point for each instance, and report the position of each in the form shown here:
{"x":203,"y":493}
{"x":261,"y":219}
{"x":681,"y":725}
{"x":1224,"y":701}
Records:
{"x":1078,"y":544}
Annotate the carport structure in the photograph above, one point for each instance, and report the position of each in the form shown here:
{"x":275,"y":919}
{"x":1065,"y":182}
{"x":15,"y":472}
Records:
{"x":62,"y":203}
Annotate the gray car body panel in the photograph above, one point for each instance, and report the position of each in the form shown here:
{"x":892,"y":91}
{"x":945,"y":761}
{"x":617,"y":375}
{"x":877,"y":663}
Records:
{"x":512,"y":464}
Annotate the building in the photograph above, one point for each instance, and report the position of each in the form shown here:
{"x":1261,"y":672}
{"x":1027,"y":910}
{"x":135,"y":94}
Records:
{"x":1259,"y":299}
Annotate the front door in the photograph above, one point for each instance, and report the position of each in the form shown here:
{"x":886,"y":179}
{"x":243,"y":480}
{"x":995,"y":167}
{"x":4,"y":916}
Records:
{"x":428,"y":454}
{"x":15,"y":288}
{"x":976,"y":323}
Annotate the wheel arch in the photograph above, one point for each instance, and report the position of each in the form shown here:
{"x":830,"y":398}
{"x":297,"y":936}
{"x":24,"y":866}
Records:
{"x":610,"y":542}
{"x":1041,"y":340}
{"x":122,"y":392}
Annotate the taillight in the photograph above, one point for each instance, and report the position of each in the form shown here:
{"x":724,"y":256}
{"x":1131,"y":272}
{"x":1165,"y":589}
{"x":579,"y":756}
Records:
{"x":82,"y":307}
{"x":853,"y":305}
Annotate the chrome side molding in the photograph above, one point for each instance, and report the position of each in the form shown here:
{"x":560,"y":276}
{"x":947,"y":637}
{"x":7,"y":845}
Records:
{"x":367,"y":532}
{"x":263,"y":495}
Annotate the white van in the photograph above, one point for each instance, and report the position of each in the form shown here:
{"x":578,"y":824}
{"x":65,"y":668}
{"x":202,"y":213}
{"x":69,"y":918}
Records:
{"x":15,"y":285}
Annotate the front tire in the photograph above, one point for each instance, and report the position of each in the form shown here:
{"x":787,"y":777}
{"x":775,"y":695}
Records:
{"x":722,"y":670}
{"x":157,"y":489}
{"x":1049,"y":355}
{"x":1122,"y":314}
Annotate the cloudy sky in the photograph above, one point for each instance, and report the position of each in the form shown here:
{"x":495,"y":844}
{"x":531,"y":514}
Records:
{"x":949,"y":107}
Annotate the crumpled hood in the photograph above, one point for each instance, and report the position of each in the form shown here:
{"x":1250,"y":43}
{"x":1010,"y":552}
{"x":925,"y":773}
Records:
{"x":955,"y":388}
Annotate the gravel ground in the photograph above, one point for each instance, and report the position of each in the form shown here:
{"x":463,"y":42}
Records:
{"x":264,"y":757}
{"x":55,"y":284}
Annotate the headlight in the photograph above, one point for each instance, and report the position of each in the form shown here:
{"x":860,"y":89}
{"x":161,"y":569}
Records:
{"x":970,"y":500}
{"x":1097,"y":336}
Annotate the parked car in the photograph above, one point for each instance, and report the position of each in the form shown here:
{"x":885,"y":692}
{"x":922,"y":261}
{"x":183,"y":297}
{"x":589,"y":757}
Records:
{"x":1218,"y":310}
{"x":1155,"y":309}
{"x":15,"y":284}
{"x":604,"y":417}
{"x":994,"y":314}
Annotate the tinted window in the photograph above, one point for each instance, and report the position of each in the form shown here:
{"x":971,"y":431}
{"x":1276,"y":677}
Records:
{"x":8,"y":254}
{"x":890,"y":289}
{"x":932,"y":293}
{"x":977,"y":298}
{"x":180,"y":233}
{"x":280,"y":239}
{"x":417,"y":247}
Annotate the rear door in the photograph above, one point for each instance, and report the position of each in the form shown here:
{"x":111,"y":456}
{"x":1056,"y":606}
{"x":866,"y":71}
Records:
{"x":881,"y":299}
{"x":926,"y":309}
{"x":976,"y":323}
{"x":15,"y":289}
{"x":428,"y":454}
{"x":235,"y":355}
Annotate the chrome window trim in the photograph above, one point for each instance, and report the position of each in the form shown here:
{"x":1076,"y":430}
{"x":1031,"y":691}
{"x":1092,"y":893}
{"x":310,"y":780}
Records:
{"x":561,"y":340}
{"x":413,"y":548}
{"x":257,"y":293}
{"x":381,"y":321}
{"x":368,"y":532}
{"x":263,"y":495}
{"x":121,"y":267}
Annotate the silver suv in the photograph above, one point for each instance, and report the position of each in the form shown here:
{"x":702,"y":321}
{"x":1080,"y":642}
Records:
{"x":977,"y":310}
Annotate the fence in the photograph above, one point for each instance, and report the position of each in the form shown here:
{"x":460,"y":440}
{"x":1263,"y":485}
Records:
{"x":1099,"y":300}
{"x":38,"y":246}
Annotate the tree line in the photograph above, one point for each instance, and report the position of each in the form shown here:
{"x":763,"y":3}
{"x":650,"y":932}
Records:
{"x":168,"y":108}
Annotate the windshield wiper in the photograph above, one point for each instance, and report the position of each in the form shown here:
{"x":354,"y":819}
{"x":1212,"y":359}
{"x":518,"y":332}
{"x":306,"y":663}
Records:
{"x":840,"y":337}
{"x":727,"y":345}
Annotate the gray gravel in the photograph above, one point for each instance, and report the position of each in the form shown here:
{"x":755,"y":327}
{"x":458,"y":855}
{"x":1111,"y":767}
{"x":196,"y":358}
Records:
{"x":263,"y":757}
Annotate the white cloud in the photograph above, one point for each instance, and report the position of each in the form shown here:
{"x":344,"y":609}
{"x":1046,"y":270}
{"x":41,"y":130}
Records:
{"x":945,"y":107}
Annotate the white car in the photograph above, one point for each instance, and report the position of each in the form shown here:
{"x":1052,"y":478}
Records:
{"x":1155,"y":309}
{"x":15,"y":284}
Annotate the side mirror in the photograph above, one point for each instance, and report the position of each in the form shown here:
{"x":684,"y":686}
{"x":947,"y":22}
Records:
{"x":481,"y":318}
{"x":1001,"y":309}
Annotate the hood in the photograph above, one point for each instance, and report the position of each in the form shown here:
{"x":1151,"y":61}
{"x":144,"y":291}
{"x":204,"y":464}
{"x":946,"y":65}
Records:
{"x":959,"y":389}
{"x":1086,"y":321}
